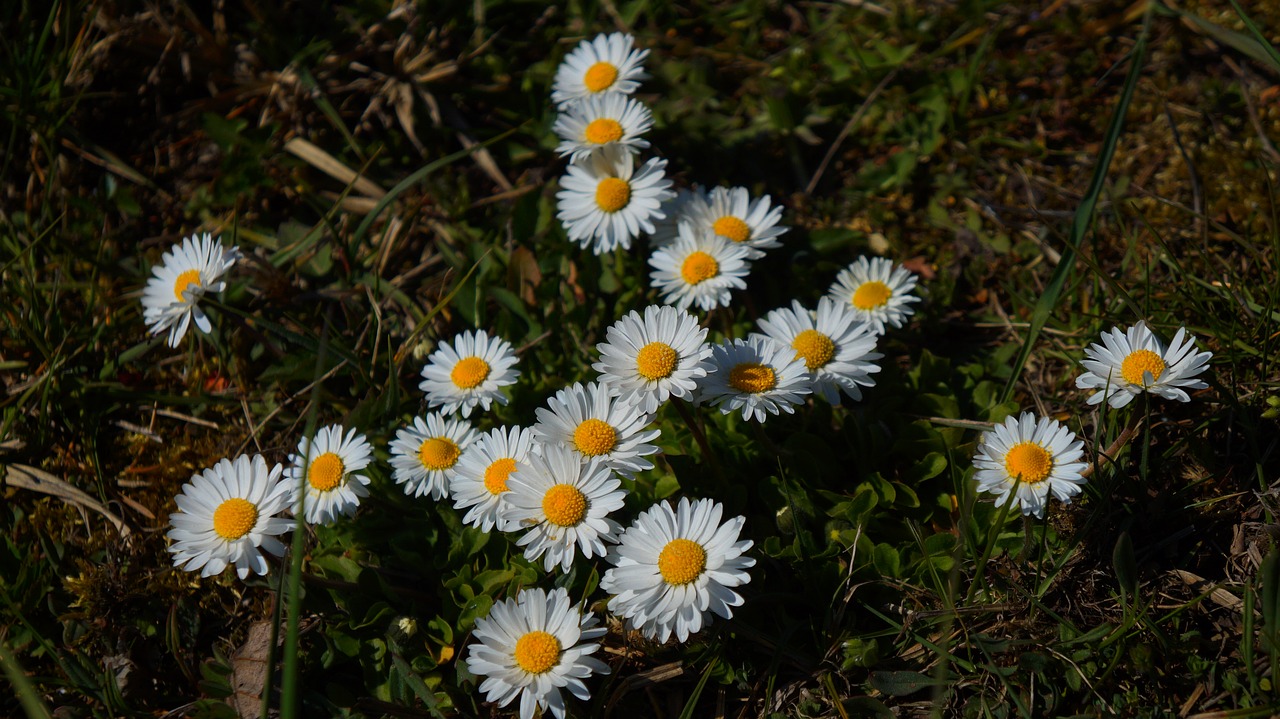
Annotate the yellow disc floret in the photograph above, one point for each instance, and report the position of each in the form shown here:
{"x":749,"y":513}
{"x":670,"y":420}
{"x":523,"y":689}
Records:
{"x":656,"y":360}
{"x":682,"y":561}
{"x":613,"y":194}
{"x":326,"y":471}
{"x":185,"y":280}
{"x":733,"y":228}
{"x":752,"y":377}
{"x":565,"y":505}
{"x":871,"y":294}
{"x":469,"y":372}
{"x":595,"y":437}
{"x":1138,"y":363}
{"x":1028,"y":461}
{"x":600,"y":76}
{"x":699,"y":267}
{"x":537,"y":652}
{"x":234,"y":518}
{"x":496,"y":474}
{"x":815,"y":348}
{"x":602,"y":130}
{"x":438,"y":453}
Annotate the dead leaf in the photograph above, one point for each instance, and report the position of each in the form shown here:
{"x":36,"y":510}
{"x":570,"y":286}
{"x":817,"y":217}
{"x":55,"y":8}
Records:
{"x":38,"y":480}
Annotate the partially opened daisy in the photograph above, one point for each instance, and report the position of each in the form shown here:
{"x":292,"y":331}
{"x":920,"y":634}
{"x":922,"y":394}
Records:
{"x":185,"y":273}
{"x":604,"y":64}
{"x":674,"y":569}
{"x":647,"y":360}
{"x":595,"y":424}
{"x":471,"y":371}
{"x":758,"y":376}
{"x":1129,"y":363}
{"x":1040,"y":457}
{"x":876,"y":291}
{"x":731,"y":213}
{"x":425,"y":454}
{"x":533,"y":646}
{"x":605,"y":202}
{"x":479,"y":481}
{"x":227,"y":515}
{"x":610,"y":120}
{"x":699,"y":268}
{"x":325,"y":474}
{"x":565,"y":503}
{"x":837,"y":347}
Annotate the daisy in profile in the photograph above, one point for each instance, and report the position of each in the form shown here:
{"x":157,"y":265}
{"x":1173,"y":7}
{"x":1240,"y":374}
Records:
{"x":1129,"y":363}
{"x":472,"y":371}
{"x":480,"y":480}
{"x":758,"y":376}
{"x":610,"y":120}
{"x":605,"y":202}
{"x":227,"y":515}
{"x":647,"y":360}
{"x":731,"y":213}
{"x":324,"y":475}
{"x":675,"y":568}
{"x":667,"y":229}
{"x":878,"y":292}
{"x":425,"y":454}
{"x":531,"y":647}
{"x":606,"y":63}
{"x":1040,"y":457}
{"x":838,"y":349}
{"x":565,"y":503}
{"x":185,"y":273}
{"x":698,"y":268}
{"x":594,"y":424}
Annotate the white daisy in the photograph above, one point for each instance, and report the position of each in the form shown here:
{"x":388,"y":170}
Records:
{"x":566,"y":504}
{"x":730,"y":212}
{"x":698,"y":268}
{"x":877,"y":292}
{"x":1135,"y":361}
{"x":606,"y":63}
{"x":480,"y":479}
{"x":674,"y":569}
{"x":606,"y":203}
{"x":837,"y":347}
{"x":1041,"y":457}
{"x":324,"y":475}
{"x":185,"y":273}
{"x":425,"y":455}
{"x":472,"y":371}
{"x":758,"y":375}
{"x":531,"y":647}
{"x":227,"y":515}
{"x":610,"y":120}
{"x":649,"y":359}
{"x":594,"y":424}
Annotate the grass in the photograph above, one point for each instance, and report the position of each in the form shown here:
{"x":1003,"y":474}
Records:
{"x":1048,"y":175}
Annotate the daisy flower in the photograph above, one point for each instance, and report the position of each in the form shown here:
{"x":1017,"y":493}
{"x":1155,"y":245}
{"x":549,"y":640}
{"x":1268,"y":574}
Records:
{"x":674,"y":568}
{"x":531,"y":647}
{"x":1135,"y":361}
{"x":876,"y":291}
{"x":185,"y":273}
{"x":480,"y":479}
{"x":698,"y":268}
{"x":472,"y":371}
{"x":425,"y":454}
{"x":758,"y":376}
{"x":594,"y":424}
{"x":606,"y":63}
{"x":605,"y":202}
{"x":836,"y":346}
{"x":227,"y":515}
{"x":1041,"y":457}
{"x":610,"y":120}
{"x":565,"y":502}
{"x":329,"y":463}
{"x":649,"y":359}
{"x":730,"y":212}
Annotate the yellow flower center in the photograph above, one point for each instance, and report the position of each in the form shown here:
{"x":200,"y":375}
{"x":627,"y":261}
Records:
{"x":871,"y":295}
{"x":537,"y":652}
{"x":564,"y":505}
{"x":234,"y":518}
{"x":496,"y":474}
{"x":1140,"y":362}
{"x":1029,"y":461}
{"x":656,"y":360}
{"x":469,"y":372}
{"x":699,"y":266}
{"x":682,"y":561}
{"x":438,"y":453}
{"x":600,"y":76}
{"x":326,"y":471}
{"x":815,"y":348}
{"x":603,"y":130}
{"x":613,"y":194}
{"x":733,"y":228}
{"x":185,"y":280}
{"x":595,"y":437}
{"x":752,"y":377}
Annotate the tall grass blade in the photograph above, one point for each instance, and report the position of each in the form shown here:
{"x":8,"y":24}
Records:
{"x":31,"y":703}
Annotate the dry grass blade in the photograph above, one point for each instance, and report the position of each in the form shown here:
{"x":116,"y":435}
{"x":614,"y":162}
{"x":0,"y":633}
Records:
{"x":38,"y":480}
{"x":329,"y":165}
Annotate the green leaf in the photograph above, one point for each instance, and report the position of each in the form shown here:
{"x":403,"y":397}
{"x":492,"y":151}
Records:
{"x":1125,"y":565}
{"x":902,"y":683}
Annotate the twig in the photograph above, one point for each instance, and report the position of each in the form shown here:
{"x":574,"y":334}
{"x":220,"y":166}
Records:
{"x":848,"y":127}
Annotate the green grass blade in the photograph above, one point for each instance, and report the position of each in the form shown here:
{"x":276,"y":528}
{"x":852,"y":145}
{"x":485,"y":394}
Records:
{"x":27,"y":695}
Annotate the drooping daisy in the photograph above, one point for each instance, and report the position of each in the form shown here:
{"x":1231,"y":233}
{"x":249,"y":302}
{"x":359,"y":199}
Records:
{"x":594,"y":424}
{"x":604,"y":64}
{"x":605,"y":202}
{"x":185,"y":273}
{"x":531,"y":647}
{"x":227,"y":515}
{"x":674,"y":569}
{"x":731,"y":213}
{"x":878,"y":292}
{"x":649,"y":359}
{"x":1135,"y":361}
{"x":610,"y":120}
{"x":480,"y":479}
{"x":758,"y":376}
{"x":1041,"y":457}
{"x":472,"y":371}
{"x":324,"y":475}
{"x":838,"y":349}
{"x":425,"y":454}
{"x":566,"y":503}
{"x":698,"y":268}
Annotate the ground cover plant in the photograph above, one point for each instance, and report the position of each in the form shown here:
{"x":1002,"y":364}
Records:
{"x":901,"y":359}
